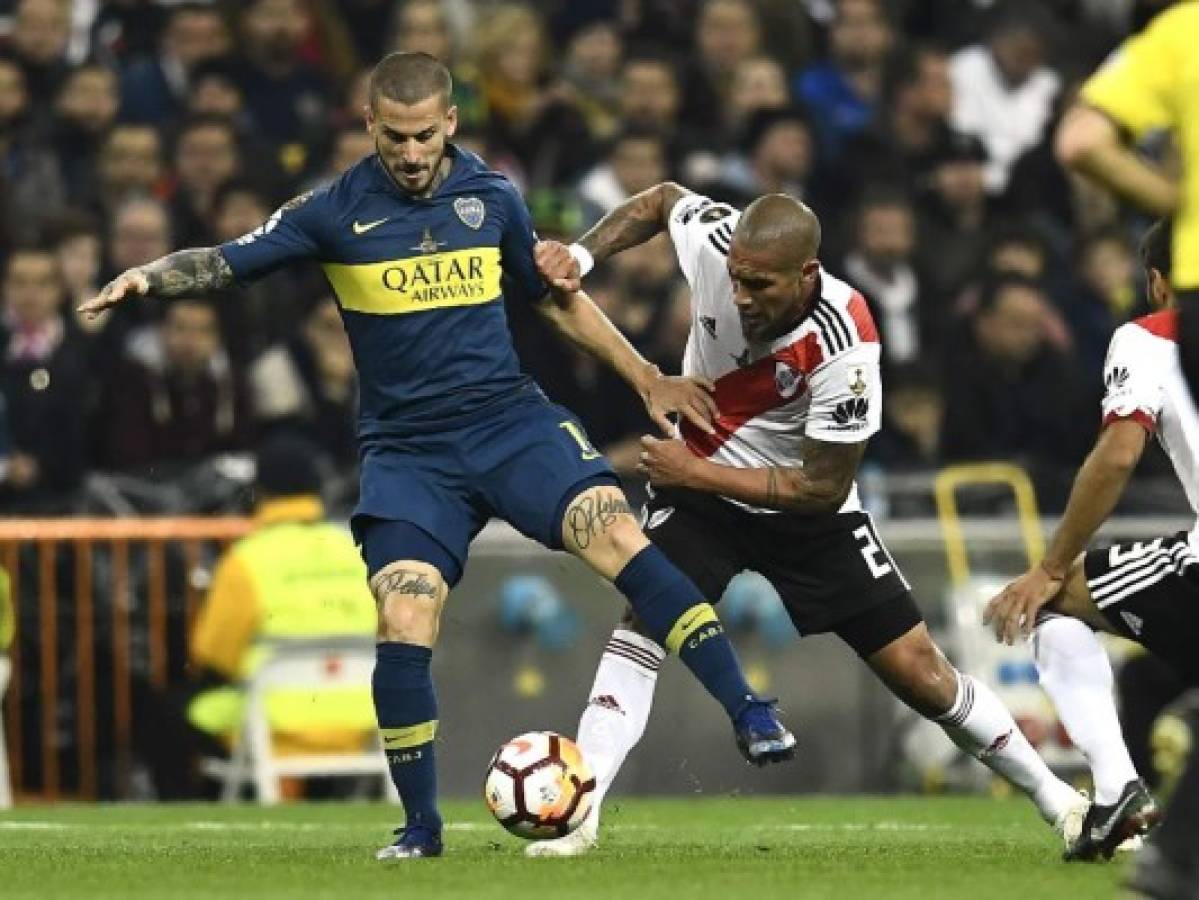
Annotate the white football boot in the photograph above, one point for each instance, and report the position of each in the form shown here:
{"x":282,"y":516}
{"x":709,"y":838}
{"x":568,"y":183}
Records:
{"x":582,"y":840}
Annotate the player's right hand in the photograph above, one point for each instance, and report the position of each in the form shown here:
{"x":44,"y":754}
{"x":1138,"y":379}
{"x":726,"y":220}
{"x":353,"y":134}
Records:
{"x":557,"y":266}
{"x":1012,"y":613}
{"x":130,"y":282}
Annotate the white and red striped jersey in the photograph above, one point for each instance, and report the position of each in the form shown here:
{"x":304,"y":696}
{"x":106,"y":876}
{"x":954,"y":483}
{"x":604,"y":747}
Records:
{"x":1143,"y":381}
{"x":820,"y":380}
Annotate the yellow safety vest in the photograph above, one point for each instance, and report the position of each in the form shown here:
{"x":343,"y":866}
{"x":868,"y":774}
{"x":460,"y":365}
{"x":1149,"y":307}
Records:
{"x":308,"y":581}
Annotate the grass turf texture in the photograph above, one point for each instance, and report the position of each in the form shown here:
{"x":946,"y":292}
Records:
{"x":693,"y":849}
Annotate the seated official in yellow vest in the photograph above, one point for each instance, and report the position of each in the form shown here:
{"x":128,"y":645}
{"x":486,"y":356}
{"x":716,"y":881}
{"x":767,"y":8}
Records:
{"x":293,"y":576}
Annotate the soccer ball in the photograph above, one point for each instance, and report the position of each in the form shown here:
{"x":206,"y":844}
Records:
{"x":539,"y":786}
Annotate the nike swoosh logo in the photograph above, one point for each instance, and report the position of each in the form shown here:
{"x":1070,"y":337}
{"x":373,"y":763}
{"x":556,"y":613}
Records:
{"x":360,"y":228}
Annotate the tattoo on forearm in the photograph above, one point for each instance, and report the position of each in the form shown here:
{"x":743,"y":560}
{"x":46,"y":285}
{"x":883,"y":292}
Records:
{"x":194,"y":271}
{"x":404,"y":581}
{"x":590,"y":517}
{"x":772,"y":487}
{"x":823,"y":482}
{"x":633,"y":222}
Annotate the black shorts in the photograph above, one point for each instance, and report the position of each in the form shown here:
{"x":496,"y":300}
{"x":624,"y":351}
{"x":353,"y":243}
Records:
{"x":832,"y":572}
{"x":1149,"y":592}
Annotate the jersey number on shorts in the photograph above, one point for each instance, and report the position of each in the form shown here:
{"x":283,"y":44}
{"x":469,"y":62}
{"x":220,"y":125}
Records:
{"x":875,"y":558}
{"x":588,"y":452}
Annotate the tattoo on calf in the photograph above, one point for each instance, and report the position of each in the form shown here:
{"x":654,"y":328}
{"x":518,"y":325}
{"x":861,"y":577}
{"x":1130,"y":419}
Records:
{"x":590,"y":517}
{"x":403,"y":581}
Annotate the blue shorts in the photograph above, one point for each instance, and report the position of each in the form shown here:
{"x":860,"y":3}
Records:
{"x":522,"y":462}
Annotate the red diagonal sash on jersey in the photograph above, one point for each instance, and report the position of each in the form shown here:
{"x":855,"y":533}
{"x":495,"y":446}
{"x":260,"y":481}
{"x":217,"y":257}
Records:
{"x":750,"y":391}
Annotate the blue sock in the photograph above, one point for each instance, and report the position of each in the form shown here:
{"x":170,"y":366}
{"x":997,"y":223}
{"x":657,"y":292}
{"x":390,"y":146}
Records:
{"x":406,"y":708}
{"x":678,"y":618}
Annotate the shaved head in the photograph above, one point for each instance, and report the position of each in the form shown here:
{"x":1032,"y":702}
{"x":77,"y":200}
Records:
{"x":780,"y":227}
{"x":772,"y":264}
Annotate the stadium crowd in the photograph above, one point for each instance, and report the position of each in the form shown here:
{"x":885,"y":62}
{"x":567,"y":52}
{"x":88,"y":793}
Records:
{"x":920,"y":133}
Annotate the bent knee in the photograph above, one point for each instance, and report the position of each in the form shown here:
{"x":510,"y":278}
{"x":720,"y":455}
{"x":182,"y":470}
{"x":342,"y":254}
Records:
{"x":920,"y":675}
{"x":1074,"y":599}
{"x":409,"y":596}
{"x":599,"y":526}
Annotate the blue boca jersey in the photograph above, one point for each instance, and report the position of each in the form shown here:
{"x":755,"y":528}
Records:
{"x":421,"y":284}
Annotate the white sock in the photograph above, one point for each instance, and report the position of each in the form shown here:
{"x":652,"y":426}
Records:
{"x":1077,"y":675}
{"x":618,"y":708}
{"x":981,"y":725}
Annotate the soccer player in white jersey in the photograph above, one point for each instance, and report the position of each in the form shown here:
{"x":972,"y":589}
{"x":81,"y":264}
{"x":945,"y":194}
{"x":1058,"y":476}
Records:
{"x":1147,"y":592}
{"x":793,"y":357}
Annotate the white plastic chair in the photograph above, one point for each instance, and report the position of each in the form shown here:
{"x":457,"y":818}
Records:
{"x":5,"y":782}
{"x":320,"y":664}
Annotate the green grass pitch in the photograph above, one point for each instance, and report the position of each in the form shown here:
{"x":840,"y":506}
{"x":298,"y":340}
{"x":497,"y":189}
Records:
{"x":684,"y":849}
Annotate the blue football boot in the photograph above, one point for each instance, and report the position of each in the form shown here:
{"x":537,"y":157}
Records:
{"x":761,"y":737}
{"x":412,"y":842}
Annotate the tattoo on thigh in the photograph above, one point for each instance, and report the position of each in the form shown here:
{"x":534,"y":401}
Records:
{"x":592,"y":516}
{"x":403,"y":581}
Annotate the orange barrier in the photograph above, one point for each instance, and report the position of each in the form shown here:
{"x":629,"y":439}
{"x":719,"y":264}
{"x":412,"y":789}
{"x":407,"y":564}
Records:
{"x":135,"y":551}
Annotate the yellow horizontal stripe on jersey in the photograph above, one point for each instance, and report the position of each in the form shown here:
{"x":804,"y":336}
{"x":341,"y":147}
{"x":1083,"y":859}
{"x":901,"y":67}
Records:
{"x":408,"y":735}
{"x":431,"y":281}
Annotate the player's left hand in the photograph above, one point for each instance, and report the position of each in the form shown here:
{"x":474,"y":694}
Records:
{"x":1012,"y":612}
{"x":557,"y":266}
{"x":666,"y":463}
{"x":690,"y":396}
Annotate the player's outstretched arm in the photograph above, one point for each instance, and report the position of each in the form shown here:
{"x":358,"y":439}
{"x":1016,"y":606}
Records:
{"x":1097,"y":489}
{"x":819,"y":486}
{"x":1090,"y":143}
{"x":633,"y":222}
{"x":193,"y":271}
{"x":575,"y":315}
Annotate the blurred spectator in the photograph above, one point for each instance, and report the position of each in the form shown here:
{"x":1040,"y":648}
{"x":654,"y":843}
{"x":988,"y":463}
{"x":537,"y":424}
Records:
{"x":880,"y":264}
{"x":206,"y":156}
{"x":727,"y":32}
{"x":913,"y":412}
{"x":307,"y":385}
{"x":636,"y":160}
{"x":1003,"y":90}
{"x":350,"y":144}
{"x":591,"y":74}
{"x":287,"y":99}
{"x":79,"y":247}
{"x":843,"y":93}
{"x":954,"y":217}
{"x":41,"y":31}
{"x":84,"y":109}
{"x":174,"y":400}
{"x":46,"y":387}
{"x":778,"y":155}
{"x":154,"y":86}
{"x":141,"y":232}
{"x":912,"y":127}
{"x":130,"y":165}
{"x":1105,"y":294}
{"x":758,"y":83}
{"x":1008,"y":393}
{"x":30,"y":184}
{"x":215,"y":91}
{"x":539,"y":126}
{"x":294,"y":576}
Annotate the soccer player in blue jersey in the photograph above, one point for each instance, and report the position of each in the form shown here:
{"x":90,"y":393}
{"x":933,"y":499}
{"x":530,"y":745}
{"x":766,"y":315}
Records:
{"x":423,"y":244}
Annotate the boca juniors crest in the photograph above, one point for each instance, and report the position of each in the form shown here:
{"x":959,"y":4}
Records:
{"x":471,"y":211}
{"x":786,"y":380}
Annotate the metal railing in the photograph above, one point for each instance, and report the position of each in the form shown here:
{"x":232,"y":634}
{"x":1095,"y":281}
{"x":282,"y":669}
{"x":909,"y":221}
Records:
{"x":103,"y":559}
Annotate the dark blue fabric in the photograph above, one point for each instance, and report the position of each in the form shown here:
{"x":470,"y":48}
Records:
{"x":660,"y":594}
{"x":403,"y":691}
{"x":516,"y":462}
{"x":424,"y":369}
{"x":385,"y":541}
